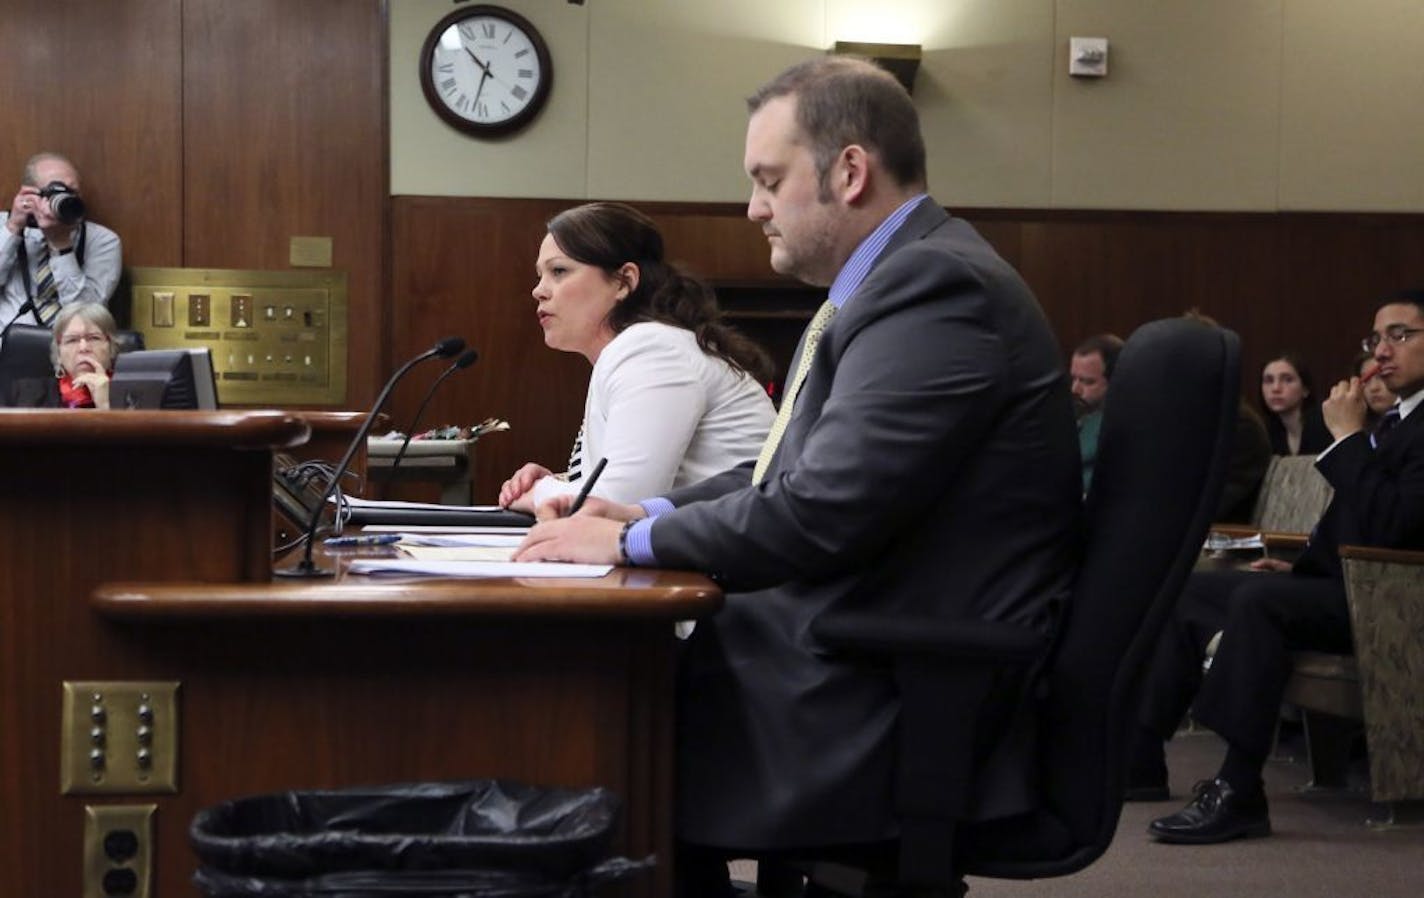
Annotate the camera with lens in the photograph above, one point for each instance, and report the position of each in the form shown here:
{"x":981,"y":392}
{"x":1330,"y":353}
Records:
{"x":66,"y":204}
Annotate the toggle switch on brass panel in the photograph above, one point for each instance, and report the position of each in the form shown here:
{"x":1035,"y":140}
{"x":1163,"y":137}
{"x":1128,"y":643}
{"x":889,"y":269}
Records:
{"x":118,"y":850}
{"x":163,"y":308}
{"x":119,"y":737}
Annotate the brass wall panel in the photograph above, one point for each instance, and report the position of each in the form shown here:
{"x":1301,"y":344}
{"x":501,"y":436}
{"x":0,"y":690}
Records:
{"x":277,"y":337}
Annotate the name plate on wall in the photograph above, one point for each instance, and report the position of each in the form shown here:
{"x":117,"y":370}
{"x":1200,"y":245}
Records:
{"x":277,"y":337}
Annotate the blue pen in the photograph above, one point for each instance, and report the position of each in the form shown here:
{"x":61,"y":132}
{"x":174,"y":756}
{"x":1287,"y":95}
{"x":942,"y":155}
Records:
{"x":375,"y":539}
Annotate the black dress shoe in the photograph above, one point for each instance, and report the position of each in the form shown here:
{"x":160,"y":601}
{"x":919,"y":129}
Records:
{"x":1218,"y":813}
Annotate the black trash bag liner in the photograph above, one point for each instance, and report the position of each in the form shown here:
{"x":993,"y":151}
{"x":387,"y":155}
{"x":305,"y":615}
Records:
{"x":420,"y":883}
{"x":505,"y":838}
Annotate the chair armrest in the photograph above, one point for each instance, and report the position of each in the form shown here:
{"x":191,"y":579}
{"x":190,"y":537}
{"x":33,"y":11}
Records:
{"x":879,"y":634}
{"x":1372,"y":553}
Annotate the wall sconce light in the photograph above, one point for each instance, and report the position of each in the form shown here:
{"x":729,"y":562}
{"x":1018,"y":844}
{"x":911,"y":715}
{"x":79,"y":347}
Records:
{"x":900,"y":60}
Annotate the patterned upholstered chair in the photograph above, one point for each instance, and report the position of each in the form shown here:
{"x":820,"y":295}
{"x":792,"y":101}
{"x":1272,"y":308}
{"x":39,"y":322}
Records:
{"x":1293,"y":496}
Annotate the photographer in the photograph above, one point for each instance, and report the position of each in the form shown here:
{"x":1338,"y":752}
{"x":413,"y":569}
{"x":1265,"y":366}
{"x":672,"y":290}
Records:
{"x":49,"y":255}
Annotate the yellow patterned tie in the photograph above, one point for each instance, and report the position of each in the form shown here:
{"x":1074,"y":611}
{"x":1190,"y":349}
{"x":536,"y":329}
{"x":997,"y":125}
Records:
{"x":46,"y":292}
{"x":788,"y":400}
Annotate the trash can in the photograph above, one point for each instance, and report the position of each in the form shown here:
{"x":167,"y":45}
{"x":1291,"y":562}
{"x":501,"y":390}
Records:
{"x":486,"y":838}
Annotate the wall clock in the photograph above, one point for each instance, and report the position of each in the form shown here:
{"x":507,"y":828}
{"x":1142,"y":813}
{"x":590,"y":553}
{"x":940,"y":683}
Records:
{"x":485,"y":70}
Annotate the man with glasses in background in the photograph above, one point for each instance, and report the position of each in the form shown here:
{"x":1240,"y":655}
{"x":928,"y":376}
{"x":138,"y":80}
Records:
{"x":1378,"y":477}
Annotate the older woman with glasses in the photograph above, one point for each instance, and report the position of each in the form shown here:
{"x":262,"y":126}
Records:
{"x":83,"y":353}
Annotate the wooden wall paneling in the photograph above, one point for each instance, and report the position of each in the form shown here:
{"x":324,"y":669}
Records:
{"x":1336,"y":269}
{"x":101,"y":83}
{"x":1279,"y":280}
{"x":466,"y":268}
{"x":284,"y":108}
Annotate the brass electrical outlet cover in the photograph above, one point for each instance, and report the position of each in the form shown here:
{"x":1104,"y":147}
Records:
{"x":118,"y":844}
{"x":119,"y":737}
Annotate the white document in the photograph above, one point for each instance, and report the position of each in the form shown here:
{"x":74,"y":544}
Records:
{"x":1220,"y":542}
{"x":458,"y":553}
{"x":512,"y":532}
{"x":358,"y":502}
{"x":460,"y":540}
{"x":526,"y":569}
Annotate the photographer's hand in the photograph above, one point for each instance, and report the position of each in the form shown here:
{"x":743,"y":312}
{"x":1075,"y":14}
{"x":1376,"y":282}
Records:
{"x":21,"y":208}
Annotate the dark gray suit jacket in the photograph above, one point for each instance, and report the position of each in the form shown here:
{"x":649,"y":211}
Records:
{"x":931,"y":467}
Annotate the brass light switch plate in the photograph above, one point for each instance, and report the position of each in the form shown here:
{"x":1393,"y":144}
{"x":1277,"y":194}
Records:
{"x":119,"y":737}
{"x":118,"y":850}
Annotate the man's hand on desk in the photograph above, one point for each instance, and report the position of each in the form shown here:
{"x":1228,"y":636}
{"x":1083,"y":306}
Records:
{"x":581,"y":539}
{"x":589,"y":537}
{"x":558,"y":507}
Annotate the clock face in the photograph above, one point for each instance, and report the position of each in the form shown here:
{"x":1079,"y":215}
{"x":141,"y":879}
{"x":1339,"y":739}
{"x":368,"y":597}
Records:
{"x":485,"y":70}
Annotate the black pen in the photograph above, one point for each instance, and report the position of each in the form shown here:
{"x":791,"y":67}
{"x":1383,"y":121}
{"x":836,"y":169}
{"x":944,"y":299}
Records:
{"x":588,"y":485}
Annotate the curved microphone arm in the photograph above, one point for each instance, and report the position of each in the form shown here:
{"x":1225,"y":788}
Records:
{"x":306,"y":568}
{"x":466,"y":359}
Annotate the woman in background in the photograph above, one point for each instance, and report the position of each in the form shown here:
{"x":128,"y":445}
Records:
{"x":1292,"y":413}
{"x":83,"y":351}
{"x":1378,"y":398}
{"x":675,"y":396}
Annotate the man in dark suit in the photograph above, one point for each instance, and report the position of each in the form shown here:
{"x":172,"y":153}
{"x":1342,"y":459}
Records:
{"x":1378,"y":479}
{"x":926,"y":463}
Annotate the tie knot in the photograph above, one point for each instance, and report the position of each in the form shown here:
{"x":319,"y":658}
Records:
{"x":1385,"y":424}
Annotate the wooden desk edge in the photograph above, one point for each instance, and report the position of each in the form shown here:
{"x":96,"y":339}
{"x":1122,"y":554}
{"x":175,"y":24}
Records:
{"x":661,"y":596}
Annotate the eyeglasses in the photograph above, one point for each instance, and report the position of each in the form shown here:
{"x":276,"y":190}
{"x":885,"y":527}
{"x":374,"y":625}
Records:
{"x":1395,"y":334}
{"x":76,"y":339}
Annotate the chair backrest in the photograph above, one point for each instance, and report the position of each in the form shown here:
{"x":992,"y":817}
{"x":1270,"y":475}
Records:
{"x":24,"y":354}
{"x":1162,"y":457}
{"x":1293,"y":496}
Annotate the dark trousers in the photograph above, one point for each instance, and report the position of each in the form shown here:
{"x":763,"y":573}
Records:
{"x":1263,"y":617}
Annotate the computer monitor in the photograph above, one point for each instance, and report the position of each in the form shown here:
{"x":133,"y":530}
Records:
{"x":164,"y":379}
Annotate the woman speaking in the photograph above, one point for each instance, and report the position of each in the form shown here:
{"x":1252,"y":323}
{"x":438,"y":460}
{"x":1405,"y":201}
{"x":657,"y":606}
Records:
{"x":675,"y":394}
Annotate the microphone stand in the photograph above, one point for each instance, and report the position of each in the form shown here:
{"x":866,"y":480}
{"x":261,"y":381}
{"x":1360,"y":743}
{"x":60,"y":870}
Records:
{"x":465,"y":360}
{"x":29,"y":306}
{"x":306,"y":568}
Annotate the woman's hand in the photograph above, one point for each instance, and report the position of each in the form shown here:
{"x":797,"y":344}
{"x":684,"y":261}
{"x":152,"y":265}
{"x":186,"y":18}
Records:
{"x":98,"y":384}
{"x":515,"y":488}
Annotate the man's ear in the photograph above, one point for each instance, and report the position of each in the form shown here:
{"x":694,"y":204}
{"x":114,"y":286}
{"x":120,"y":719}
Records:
{"x":852,"y":172}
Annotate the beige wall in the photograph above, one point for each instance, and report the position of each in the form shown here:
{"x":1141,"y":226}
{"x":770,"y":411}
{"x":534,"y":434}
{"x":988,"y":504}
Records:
{"x":1210,"y":104}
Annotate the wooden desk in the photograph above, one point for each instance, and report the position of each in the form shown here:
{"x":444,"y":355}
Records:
{"x":119,"y":571}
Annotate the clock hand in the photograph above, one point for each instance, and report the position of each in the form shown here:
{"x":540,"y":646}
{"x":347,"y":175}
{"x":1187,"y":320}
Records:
{"x":484,"y":68}
{"x":479,"y":90}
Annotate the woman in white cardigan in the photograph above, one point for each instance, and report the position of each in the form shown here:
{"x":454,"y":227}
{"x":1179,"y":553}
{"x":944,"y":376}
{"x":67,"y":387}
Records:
{"x":675,"y":395}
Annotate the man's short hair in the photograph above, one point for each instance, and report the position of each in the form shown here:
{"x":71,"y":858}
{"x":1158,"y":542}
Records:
{"x":842,"y":101}
{"x":1413,"y":298}
{"x":1105,"y":345}
{"x":28,"y":177}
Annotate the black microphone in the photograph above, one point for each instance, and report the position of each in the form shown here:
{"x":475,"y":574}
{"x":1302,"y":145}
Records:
{"x":305,"y":568}
{"x":29,"y":306}
{"x":466,"y":359}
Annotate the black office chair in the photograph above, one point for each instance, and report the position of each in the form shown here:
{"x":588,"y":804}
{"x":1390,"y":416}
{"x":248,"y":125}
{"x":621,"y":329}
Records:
{"x":24,"y":355}
{"x":1166,"y":434}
